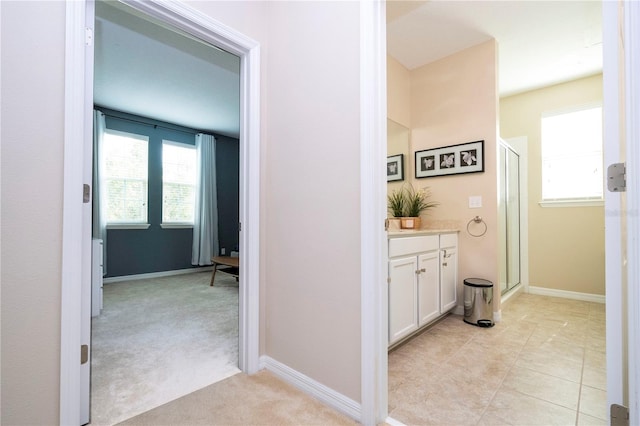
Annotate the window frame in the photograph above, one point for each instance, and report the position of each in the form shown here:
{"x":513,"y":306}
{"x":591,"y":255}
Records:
{"x":570,"y":201}
{"x":177,"y":224}
{"x":143,"y":224}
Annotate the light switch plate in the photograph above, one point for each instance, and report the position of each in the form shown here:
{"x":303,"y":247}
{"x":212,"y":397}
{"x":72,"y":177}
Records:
{"x":475,"y":202}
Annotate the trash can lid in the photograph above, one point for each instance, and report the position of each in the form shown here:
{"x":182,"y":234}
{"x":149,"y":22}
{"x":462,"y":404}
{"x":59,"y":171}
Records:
{"x":477,"y":282}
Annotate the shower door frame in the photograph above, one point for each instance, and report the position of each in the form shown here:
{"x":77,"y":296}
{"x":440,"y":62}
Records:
{"x":519,"y":146}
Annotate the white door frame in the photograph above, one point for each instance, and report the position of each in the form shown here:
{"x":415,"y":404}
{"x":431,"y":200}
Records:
{"x":373,"y":212}
{"x":621,"y":84}
{"x":632,"y":137}
{"x":76,"y":145}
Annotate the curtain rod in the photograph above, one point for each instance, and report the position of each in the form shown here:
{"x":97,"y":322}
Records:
{"x":132,"y":120}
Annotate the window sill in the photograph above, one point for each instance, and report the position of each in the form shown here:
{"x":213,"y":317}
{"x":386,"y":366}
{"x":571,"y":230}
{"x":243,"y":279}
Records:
{"x":128,"y":226}
{"x":176,"y":225}
{"x":572,"y":203}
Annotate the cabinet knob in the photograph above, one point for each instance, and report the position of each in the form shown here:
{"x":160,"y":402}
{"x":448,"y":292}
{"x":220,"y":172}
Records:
{"x":418,"y":271}
{"x":444,"y":263}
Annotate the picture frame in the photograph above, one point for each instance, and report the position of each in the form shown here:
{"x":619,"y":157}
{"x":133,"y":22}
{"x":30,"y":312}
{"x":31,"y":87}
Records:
{"x":395,"y":168}
{"x":450,"y":160}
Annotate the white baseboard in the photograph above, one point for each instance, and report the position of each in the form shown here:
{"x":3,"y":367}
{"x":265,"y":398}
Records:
{"x":156,"y":274}
{"x":393,"y":422}
{"x":317,"y":390}
{"x":587,"y":297}
{"x":497,"y":316}
{"x":459,"y":310}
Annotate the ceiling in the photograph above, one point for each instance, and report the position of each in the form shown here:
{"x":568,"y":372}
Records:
{"x":145,"y":68}
{"x":540,"y":43}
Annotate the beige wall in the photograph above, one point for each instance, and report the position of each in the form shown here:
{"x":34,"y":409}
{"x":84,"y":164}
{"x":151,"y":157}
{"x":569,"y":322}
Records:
{"x":310,"y":248}
{"x":399,"y":115}
{"x":312,"y":253}
{"x":453,"y":101}
{"x":32,"y":92}
{"x":566,"y":244}
{"x":398,"y":92}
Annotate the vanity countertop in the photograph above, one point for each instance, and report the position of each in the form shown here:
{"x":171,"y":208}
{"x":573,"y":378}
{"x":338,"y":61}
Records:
{"x":415,"y":232}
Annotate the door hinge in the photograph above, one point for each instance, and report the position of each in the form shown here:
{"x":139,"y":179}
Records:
{"x":84,"y":354}
{"x":388,"y":280}
{"x":619,"y":415}
{"x":86,"y":193}
{"x":239,"y":226}
{"x":88,"y":36}
{"x":386,"y":224}
{"x":617,"y":177}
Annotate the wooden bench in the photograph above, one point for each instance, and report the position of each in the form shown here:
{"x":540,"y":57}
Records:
{"x":233,"y":264}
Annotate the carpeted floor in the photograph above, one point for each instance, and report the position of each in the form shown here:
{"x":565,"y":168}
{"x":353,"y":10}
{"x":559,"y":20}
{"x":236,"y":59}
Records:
{"x":159,"y":339}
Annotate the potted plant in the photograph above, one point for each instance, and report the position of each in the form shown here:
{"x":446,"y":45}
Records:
{"x":408,"y":204}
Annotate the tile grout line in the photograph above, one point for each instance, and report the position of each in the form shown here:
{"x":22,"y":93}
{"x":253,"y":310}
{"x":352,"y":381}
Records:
{"x":505,"y":376}
{"x":584,"y":360}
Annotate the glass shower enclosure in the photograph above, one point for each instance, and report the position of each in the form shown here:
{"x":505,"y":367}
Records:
{"x":509,"y":217}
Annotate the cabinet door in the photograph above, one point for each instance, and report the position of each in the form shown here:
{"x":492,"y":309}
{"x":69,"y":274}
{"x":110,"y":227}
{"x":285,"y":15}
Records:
{"x":448,"y":278}
{"x":402,"y":297}
{"x":428,"y":287}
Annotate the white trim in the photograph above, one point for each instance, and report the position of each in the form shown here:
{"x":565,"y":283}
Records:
{"x":160,"y":274}
{"x":570,"y":109}
{"x":611,"y":153}
{"x":72,"y":215}
{"x":178,"y":144}
{"x":176,"y":225}
{"x":632,"y":126}
{"x":311,"y":387}
{"x":393,"y":422}
{"x":128,"y":226}
{"x":565,"y":294}
{"x":373,"y":239}
{"x":204,"y":27}
{"x":583,"y":202}
{"x":497,"y":316}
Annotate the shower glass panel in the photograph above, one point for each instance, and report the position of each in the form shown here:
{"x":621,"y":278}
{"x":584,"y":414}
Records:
{"x":509,"y":218}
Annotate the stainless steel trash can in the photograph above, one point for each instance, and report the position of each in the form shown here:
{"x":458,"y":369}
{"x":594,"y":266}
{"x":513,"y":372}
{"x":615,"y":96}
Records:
{"x":478,"y":302}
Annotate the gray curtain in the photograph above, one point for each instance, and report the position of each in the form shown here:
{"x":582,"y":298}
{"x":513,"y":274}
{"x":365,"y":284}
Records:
{"x":205,"y":226}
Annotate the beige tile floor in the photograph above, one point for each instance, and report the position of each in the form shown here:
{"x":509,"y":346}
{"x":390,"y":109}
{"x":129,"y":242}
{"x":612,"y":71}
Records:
{"x":543,"y":364}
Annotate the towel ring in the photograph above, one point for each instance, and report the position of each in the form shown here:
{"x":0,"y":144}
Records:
{"x":477,"y":219}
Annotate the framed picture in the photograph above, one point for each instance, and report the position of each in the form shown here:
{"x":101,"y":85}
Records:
{"x":450,"y":160}
{"x":395,"y":168}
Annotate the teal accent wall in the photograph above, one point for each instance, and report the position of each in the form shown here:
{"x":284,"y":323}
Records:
{"x":141,"y":251}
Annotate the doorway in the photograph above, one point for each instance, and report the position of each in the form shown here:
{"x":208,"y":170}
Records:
{"x":186,"y":338}
{"x":75,"y":297}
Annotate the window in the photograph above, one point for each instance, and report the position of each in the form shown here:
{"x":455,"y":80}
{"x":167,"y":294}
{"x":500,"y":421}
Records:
{"x":572,"y":155}
{"x":125,"y":179}
{"x":178,"y":183}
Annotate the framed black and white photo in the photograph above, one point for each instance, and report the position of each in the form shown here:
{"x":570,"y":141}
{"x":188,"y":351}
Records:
{"x":450,"y":160}
{"x":395,"y":168}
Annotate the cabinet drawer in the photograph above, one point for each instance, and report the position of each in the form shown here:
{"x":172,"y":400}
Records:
{"x":448,"y":240}
{"x":409,"y":245}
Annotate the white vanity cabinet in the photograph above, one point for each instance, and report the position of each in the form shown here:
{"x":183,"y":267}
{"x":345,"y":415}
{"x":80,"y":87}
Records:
{"x":422,"y":281}
{"x":448,"y":271}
